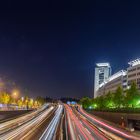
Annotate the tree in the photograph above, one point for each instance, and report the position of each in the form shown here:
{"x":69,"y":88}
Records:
{"x":20,"y":103}
{"x":35,"y":104}
{"x":11,"y":101}
{"x":118,"y":97}
{"x":85,"y":102}
{"x":40,"y":100}
{"x":132,"y":95}
{"x":109,"y":100}
{"x":4,"y":98}
{"x":26,"y":100}
{"x":31,"y":102}
{"x":101,"y":101}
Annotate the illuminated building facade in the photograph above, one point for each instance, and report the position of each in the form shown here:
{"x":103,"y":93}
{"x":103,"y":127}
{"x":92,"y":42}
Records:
{"x":133,"y":73}
{"x":118,"y":79}
{"x":102,"y":73}
{"x":122,"y":79}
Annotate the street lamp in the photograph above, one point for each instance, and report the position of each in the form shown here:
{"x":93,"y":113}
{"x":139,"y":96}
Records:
{"x":15,"y":94}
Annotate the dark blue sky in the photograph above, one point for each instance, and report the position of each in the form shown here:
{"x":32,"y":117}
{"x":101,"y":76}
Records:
{"x":50,"y":48}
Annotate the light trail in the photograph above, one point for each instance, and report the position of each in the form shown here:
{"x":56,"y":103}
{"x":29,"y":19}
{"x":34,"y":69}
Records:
{"x":76,"y":130}
{"x":51,"y":129}
{"x":26,"y":127}
{"x":112,"y":129}
{"x":6,"y":126}
{"x":90,"y":128}
{"x":71,"y":128}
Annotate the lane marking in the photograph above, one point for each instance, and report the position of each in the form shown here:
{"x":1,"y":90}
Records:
{"x":79,"y":137}
{"x":87,"y":130}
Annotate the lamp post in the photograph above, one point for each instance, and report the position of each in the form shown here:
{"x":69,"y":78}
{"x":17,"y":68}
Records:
{"x":15,"y":95}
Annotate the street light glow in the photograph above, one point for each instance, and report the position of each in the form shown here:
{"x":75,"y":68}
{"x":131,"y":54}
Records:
{"x":15,"y":93}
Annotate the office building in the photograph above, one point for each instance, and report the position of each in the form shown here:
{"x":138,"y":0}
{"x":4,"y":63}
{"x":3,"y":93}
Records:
{"x":118,"y":79}
{"x":102,"y":73}
{"x":133,"y":73}
{"x":122,"y":78}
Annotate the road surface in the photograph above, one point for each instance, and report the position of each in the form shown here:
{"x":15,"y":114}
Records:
{"x":61,"y":122}
{"x":10,"y":130}
{"x":107,"y":129}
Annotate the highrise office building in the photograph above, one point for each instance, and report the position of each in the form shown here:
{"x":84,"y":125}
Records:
{"x":105,"y":82}
{"x":102,"y":73}
{"x":133,"y":73}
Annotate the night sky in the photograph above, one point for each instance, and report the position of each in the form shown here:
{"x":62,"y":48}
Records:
{"x":50,"y":48}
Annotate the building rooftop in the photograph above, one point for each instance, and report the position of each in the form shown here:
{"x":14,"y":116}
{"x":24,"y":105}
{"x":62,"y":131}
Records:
{"x":114,"y":76}
{"x":134,"y":62}
{"x":103,"y":64}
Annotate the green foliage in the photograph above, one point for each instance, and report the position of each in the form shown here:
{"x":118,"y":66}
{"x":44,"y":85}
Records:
{"x":109,"y":100}
{"x":4,"y":98}
{"x":85,"y":102}
{"x":119,"y":100}
{"x":24,"y":102}
{"x":118,"y":97}
{"x":40,"y":100}
{"x":132,"y":96}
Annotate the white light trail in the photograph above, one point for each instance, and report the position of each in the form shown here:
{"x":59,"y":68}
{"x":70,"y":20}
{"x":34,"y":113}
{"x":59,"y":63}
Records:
{"x":51,"y":129}
{"x":27,"y":126}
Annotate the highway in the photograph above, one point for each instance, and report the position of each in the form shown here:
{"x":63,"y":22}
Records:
{"x":50,"y":131}
{"x":39,"y":125}
{"x":61,"y":122}
{"x":110,"y":131}
{"x":13,"y":123}
{"x":20,"y":131}
{"x":79,"y":128}
{"x":83,"y":126}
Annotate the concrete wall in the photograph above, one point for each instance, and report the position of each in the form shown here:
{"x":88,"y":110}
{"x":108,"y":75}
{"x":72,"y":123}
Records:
{"x":117,"y":118}
{"x":4,"y":115}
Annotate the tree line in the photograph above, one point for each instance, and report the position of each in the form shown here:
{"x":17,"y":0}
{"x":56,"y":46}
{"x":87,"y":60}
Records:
{"x":22,"y":102}
{"x":119,"y":100}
